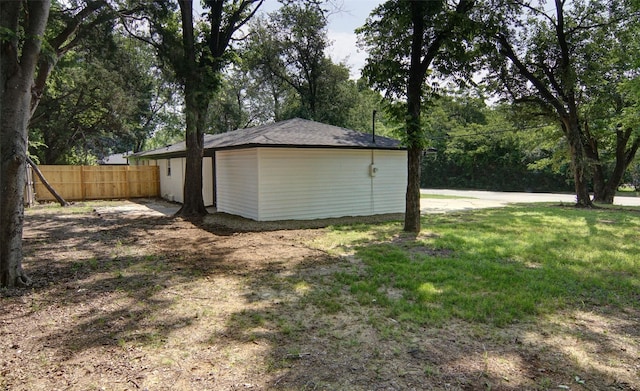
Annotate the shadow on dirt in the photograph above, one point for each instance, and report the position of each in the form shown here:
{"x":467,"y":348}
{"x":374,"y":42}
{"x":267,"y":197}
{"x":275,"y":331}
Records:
{"x":163,"y":303}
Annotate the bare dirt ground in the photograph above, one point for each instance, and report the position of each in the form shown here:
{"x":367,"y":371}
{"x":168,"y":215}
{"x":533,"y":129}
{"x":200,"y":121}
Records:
{"x":130,"y":301}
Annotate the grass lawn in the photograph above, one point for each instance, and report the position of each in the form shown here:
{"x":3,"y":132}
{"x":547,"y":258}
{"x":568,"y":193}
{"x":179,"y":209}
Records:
{"x":496,"y":266}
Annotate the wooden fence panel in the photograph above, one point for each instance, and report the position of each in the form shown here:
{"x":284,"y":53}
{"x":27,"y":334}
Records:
{"x":99,"y":182}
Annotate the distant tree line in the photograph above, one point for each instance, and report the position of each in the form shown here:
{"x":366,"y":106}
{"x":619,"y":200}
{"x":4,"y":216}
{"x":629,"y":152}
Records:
{"x":474,"y":146}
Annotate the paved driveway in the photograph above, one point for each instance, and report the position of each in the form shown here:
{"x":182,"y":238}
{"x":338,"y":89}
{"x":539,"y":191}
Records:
{"x":474,"y":199}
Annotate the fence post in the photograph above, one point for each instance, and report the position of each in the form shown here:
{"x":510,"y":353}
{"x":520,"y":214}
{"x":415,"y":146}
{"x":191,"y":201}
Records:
{"x":29,"y":191}
{"x":127,"y":189}
{"x":83,"y":186}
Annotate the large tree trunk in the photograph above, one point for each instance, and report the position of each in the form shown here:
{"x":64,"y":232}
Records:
{"x":412,"y":198}
{"x":605,"y":190}
{"x":600,"y":184}
{"x":578,"y":164}
{"x":606,"y":193}
{"x":414,"y":155}
{"x":579,"y":161}
{"x":17,"y":67}
{"x":193,"y":205}
{"x":413,"y":128}
{"x":196,"y":104}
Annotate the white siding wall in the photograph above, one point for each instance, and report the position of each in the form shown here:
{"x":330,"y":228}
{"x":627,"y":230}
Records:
{"x":390,"y":182}
{"x":207,"y":181}
{"x":171,"y":186}
{"x":291,"y":183}
{"x":237,"y":182}
{"x":319,"y":183}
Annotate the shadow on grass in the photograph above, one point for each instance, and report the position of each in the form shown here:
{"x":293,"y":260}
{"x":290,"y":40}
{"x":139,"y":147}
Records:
{"x":326,"y":337}
{"x":525,"y":312}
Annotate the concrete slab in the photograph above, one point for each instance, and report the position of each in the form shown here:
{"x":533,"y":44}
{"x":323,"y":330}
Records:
{"x":475,"y":199}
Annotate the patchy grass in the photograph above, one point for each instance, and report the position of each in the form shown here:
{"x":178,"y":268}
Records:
{"x":520,"y":298}
{"x":496,"y":266}
{"x":76,"y":207}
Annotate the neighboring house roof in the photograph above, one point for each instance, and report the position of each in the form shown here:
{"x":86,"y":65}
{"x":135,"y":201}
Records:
{"x":296,"y":132}
{"x":116,"y":159}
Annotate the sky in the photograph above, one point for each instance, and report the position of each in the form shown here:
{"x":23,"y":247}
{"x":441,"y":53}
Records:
{"x":351,"y":15}
{"x":341,"y":33}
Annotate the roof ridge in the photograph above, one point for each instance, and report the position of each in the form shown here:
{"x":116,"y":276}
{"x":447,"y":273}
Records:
{"x":293,"y":132}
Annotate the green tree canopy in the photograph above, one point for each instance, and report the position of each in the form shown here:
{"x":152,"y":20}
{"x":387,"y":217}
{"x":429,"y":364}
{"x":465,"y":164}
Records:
{"x":99,"y":100}
{"x":550,"y":55}
{"x":481,"y":147}
{"x":287,"y":51}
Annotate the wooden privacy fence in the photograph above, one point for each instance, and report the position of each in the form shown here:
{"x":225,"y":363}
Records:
{"x":98,"y":182}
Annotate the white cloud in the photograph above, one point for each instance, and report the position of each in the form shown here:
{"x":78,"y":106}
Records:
{"x":344,"y":49}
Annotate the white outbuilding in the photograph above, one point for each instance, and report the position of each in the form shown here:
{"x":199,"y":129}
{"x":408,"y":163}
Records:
{"x":291,"y":170}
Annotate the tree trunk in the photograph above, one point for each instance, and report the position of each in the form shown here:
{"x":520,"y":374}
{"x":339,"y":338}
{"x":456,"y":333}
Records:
{"x":193,"y":205}
{"x":414,"y":155}
{"x":413,"y":128}
{"x":579,"y":163}
{"x":583,"y":198}
{"x":17,"y":67}
{"x":602,"y":192}
{"x":605,"y":190}
{"x":412,"y":199}
{"x":196,"y":104}
{"x":599,"y":181}
{"x":606,"y":194}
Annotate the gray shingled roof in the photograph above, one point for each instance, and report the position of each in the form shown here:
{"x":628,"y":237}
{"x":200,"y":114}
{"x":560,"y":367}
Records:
{"x":296,"y":132}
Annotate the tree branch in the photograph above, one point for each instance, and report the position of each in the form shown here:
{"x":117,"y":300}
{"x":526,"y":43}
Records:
{"x":552,"y":80}
{"x":46,"y":183}
{"x":536,"y":11}
{"x":507,"y":51}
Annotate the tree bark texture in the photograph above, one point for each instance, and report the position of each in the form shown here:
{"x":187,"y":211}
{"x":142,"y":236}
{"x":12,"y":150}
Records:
{"x":196,"y":104}
{"x":413,"y":128}
{"x":17,"y":67}
{"x":193,"y":205}
{"x":604,"y":188}
{"x":579,"y":161}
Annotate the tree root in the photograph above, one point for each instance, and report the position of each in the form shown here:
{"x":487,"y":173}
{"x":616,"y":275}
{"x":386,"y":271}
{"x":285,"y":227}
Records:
{"x":23,"y":281}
